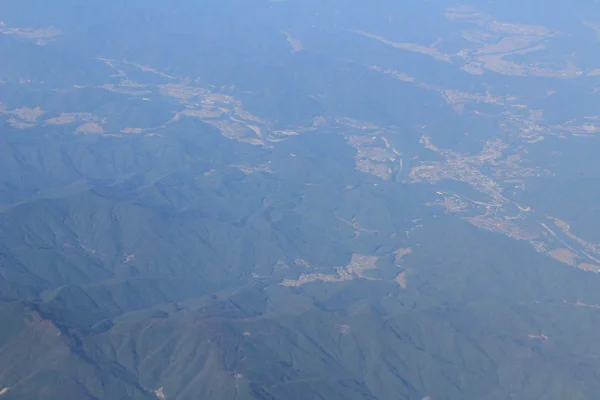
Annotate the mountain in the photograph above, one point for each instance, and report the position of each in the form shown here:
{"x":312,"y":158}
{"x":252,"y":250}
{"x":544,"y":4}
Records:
{"x":299,"y":200}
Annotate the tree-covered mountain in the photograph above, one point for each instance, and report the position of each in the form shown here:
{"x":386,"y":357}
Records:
{"x":298,"y":200}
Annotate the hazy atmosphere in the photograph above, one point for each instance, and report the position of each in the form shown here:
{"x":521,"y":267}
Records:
{"x":299,"y":199}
